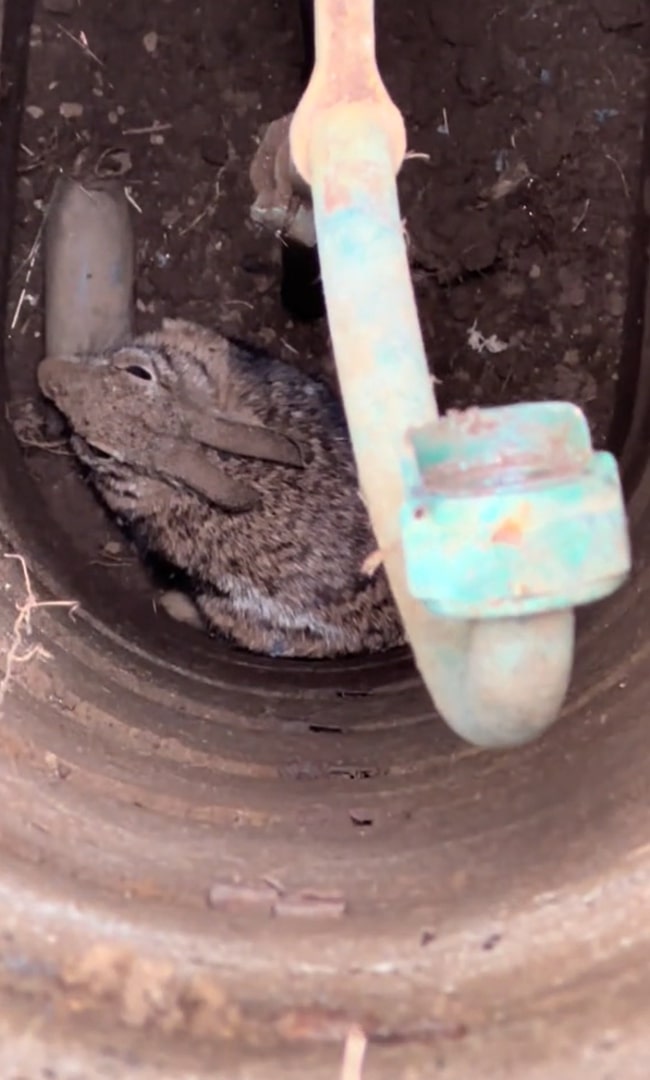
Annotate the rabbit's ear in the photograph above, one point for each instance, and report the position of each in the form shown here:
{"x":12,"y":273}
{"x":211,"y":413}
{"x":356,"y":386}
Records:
{"x":245,"y":440}
{"x":190,"y":467}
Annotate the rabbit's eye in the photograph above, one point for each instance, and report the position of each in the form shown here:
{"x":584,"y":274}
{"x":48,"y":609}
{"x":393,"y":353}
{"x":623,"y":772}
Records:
{"x":139,"y":372}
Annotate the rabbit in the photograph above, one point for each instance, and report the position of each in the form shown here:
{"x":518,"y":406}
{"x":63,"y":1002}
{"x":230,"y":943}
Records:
{"x":238,"y":470}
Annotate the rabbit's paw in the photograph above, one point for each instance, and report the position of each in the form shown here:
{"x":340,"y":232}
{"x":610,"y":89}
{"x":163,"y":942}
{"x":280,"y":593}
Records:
{"x":181,"y":607}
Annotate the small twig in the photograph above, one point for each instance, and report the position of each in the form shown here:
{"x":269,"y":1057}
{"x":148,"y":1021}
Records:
{"x":210,"y":206}
{"x":152,"y":129}
{"x":17,"y":652}
{"x":354,"y":1052}
{"x":579,"y":220}
{"x":130,"y":198}
{"x":38,"y":158}
{"x":29,"y":262}
{"x":19,"y":305}
{"x":82,"y":42}
{"x":621,"y":174}
{"x":507,"y":380}
{"x":197,"y":220}
{"x":46,"y":447}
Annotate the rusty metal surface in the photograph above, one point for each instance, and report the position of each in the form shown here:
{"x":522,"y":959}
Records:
{"x":487,"y":913}
{"x":345,"y":80}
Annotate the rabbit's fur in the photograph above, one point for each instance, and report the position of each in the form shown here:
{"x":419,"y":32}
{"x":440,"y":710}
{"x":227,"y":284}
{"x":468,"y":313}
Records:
{"x":273,"y":542}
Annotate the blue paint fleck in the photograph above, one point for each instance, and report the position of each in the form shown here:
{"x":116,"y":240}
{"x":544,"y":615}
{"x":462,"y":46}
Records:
{"x":605,"y":114}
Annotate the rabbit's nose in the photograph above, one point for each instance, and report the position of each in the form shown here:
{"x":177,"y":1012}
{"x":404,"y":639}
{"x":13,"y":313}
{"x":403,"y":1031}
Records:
{"x":50,"y":376}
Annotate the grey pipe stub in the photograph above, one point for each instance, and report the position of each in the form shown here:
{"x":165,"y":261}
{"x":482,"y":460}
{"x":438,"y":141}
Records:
{"x":89,"y":266}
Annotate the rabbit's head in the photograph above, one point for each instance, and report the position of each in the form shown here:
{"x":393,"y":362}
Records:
{"x":134,"y":408}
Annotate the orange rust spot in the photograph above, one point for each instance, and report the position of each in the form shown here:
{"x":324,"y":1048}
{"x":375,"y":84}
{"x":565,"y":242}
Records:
{"x":335,"y":195}
{"x":360,"y":179}
{"x":509,"y":532}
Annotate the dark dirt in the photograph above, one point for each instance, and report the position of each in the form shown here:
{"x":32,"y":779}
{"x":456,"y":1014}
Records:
{"x":524,"y":122}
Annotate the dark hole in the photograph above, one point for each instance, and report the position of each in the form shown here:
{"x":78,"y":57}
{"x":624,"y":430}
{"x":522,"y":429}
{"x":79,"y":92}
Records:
{"x":351,"y":772}
{"x":324,"y":729}
{"x":139,"y":372}
{"x":301,"y":289}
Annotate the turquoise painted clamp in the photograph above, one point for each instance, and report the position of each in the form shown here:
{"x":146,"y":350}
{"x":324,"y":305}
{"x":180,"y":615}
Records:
{"x":510,"y":512}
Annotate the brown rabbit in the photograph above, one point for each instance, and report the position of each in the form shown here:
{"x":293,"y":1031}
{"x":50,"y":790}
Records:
{"x":238,"y":469}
